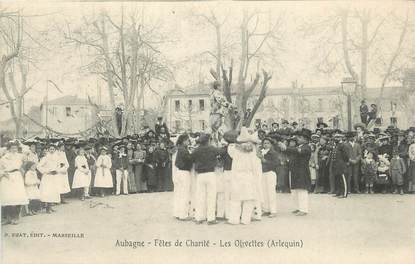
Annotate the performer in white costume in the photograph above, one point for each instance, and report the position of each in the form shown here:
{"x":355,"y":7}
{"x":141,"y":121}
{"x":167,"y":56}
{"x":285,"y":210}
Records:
{"x":244,"y":179}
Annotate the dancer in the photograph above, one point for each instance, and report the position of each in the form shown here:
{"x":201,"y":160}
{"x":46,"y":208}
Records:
{"x":244,"y":180}
{"x":204,"y":158}
{"x":181,"y":179}
{"x":269,"y":160}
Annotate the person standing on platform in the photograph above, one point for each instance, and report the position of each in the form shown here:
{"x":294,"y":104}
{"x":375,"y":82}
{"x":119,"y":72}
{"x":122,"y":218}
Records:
{"x":300,"y":172}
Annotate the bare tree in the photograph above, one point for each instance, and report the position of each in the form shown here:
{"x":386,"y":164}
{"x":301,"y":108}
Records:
{"x":126,"y":56}
{"x":255,"y":47}
{"x":14,"y":65}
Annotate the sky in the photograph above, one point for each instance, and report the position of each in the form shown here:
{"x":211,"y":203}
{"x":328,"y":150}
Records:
{"x":186,"y":41}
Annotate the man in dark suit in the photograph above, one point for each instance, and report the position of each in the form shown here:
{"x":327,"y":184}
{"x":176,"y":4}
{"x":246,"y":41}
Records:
{"x":339,"y":158}
{"x":355,"y":155}
{"x":300,"y":173}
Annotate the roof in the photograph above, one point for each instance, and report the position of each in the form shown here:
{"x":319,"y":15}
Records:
{"x":204,"y":89}
{"x":68,"y":100}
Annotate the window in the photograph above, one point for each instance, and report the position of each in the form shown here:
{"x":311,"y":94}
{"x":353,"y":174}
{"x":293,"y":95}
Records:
{"x":188,"y":124}
{"x":177,"y":105}
{"x":178,"y":124}
{"x":190,"y":105}
{"x":202,"y":125}
{"x":202,"y":105}
{"x":68,"y":111}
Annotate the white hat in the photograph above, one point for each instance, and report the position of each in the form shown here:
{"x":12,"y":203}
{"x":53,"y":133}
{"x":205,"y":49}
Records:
{"x":244,"y":136}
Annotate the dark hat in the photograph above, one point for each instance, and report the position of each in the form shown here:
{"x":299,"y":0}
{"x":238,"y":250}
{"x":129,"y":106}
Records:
{"x":269,"y":139}
{"x":350,"y":134}
{"x":203,"y":138}
{"x":322,"y":124}
{"x":376,"y":130}
{"x":284,"y":121}
{"x":315,"y":136}
{"x":304,"y":132}
{"x":30,"y":142}
{"x":294,"y":123}
{"x":274,"y":123}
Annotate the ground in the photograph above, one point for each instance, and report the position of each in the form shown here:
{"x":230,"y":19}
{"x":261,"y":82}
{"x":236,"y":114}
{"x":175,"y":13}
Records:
{"x":361,"y":229}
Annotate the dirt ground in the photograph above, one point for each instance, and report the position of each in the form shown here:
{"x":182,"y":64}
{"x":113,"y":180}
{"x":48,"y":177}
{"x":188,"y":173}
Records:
{"x":361,"y":229}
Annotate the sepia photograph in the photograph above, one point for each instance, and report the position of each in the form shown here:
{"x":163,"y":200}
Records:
{"x":207,"y":132}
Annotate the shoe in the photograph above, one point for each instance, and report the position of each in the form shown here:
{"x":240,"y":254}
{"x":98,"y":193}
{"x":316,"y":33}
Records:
{"x":301,"y":214}
{"x":295,"y":211}
{"x":82,"y":198}
{"x":64,"y":202}
{"x":88,"y":197}
{"x":256,"y":219}
{"x":401,"y":192}
{"x":341,"y":197}
{"x":272,"y":215}
{"x":33,"y":213}
{"x":102,"y":195}
{"x":214,"y":222}
{"x":14,"y":222}
{"x":265,"y":213}
{"x":185,"y":219}
{"x":199,"y":222}
{"x":358,"y":192}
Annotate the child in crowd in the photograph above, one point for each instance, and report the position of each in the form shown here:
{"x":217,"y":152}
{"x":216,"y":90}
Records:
{"x":32,"y":188}
{"x":82,"y":176}
{"x":103,"y":177}
{"x":369,"y":171}
{"x":397,"y":169}
{"x":313,"y":165}
{"x":383,"y":172}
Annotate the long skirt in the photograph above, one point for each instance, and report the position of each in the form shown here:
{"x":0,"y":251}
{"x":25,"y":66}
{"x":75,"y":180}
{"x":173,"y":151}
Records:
{"x":411,"y":176}
{"x":151,"y":178}
{"x":132,"y":187}
{"x":63,"y":182}
{"x":103,"y":178}
{"x":140,"y":180}
{"x":81,"y":179}
{"x":12,"y":190}
{"x":49,"y":190}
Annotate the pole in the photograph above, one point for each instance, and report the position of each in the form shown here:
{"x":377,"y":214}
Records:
{"x":349,"y":112}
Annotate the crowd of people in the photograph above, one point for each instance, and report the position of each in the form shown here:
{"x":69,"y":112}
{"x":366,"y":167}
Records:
{"x":235,"y":179}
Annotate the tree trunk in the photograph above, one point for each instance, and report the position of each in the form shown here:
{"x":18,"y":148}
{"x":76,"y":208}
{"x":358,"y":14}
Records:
{"x":364,"y":57}
{"x":345,"y":45}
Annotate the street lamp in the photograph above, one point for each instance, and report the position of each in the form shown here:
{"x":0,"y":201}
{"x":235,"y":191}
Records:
{"x":349,"y":87}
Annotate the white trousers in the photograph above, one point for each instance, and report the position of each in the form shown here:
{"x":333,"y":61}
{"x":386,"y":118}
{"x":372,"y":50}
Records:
{"x":301,"y":199}
{"x":240,"y":212}
{"x":269,"y":182}
{"x":220,"y":196}
{"x":205,"y":196}
{"x":122,"y":176}
{"x":181,"y":195}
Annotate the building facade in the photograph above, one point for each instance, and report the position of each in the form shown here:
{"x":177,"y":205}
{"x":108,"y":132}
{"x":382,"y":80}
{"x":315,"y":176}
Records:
{"x":189,"y":108}
{"x":68,"y":115}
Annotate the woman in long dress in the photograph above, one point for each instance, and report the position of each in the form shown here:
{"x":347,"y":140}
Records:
{"x":82,"y":176}
{"x":103,"y":176}
{"x":12,"y":189}
{"x":50,"y":189}
{"x":63,"y":175}
{"x":132,"y":187}
{"x":138,"y":161}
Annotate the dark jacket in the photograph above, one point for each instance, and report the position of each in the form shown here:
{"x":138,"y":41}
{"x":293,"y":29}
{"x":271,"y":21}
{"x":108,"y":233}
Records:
{"x":183,"y":159}
{"x":227,"y":160}
{"x":162,"y":158}
{"x":205,"y":158}
{"x":270,"y":162}
{"x":300,"y":171}
{"x":355,"y":151}
{"x":120,"y":163}
{"x":339,"y":157}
